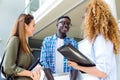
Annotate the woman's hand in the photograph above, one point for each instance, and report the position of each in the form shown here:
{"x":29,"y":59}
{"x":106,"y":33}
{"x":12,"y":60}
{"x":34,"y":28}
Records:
{"x":36,"y":74}
{"x":73,"y":64}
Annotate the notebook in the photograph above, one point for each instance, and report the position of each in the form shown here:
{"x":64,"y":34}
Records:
{"x":35,"y":63}
{"x":35,"y":66}
{"x":73,"y":54}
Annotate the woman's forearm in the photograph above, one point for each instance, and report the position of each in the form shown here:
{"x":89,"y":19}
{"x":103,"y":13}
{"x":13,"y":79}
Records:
{"x":93,"y":71}
{"x":89,"y":70}
{"x":25,"y":73}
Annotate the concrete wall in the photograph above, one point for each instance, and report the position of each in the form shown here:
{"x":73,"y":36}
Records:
{"x":9,"y":11}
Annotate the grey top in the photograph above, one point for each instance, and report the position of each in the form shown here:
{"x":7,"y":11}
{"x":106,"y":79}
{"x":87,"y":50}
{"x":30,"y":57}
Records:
{"x":9,"y":63}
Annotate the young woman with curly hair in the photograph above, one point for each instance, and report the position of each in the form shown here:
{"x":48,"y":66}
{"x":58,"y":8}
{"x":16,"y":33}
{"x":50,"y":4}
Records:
{"x":102,"y":40}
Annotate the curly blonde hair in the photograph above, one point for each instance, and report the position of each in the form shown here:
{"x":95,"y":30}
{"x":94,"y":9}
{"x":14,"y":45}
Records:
{"x":99,"y":20}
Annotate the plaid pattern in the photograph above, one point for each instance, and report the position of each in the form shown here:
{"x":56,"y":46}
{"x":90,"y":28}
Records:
{"x":47,"y":57}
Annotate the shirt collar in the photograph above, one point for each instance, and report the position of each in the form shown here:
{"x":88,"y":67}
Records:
{"x":55,"y":36}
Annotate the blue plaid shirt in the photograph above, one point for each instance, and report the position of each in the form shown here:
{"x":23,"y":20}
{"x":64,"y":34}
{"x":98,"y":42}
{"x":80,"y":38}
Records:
{"x":47,"y":57}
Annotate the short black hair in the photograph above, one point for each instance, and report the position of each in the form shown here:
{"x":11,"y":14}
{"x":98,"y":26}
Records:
{"x":63,"y":17}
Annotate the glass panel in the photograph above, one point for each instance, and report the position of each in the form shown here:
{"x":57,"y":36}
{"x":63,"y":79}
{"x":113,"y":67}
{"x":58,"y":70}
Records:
{"x":34,"y":5}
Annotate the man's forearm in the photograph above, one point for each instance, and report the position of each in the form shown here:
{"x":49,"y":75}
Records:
{"x":48,"y":74}
{"x":74,"y":74}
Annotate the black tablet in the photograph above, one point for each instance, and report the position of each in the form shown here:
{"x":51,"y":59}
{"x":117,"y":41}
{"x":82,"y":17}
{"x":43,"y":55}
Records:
{"x":73,"y":54}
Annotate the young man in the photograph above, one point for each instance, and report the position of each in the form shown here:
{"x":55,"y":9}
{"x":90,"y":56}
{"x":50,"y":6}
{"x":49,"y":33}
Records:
{"x":51,"y":59}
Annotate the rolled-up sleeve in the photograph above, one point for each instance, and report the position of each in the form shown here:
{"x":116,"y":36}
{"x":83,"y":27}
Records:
{"x":11,"y":52}
{"x":103,"y":54}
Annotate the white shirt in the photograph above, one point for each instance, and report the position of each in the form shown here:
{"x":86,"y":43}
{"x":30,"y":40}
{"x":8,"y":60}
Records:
{"x":59,"y":59}
{"x":118,"y":66}
{"x":101,"y":52}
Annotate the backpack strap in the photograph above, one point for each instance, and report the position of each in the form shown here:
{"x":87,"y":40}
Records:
{"x":2,"y":62}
